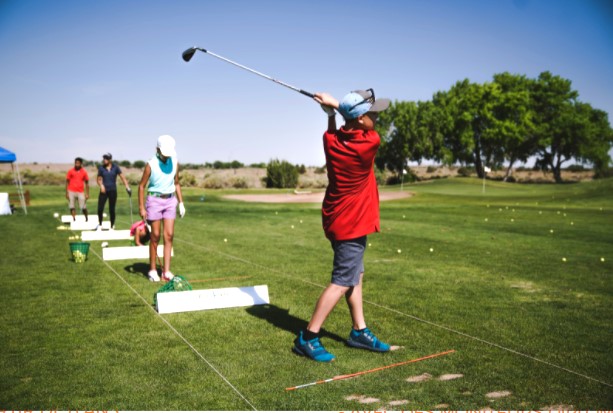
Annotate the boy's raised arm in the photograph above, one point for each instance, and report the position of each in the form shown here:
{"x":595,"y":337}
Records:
{"x":328,"y":104}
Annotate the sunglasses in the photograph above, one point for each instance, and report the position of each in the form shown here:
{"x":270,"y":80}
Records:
{"x":370,"y":100}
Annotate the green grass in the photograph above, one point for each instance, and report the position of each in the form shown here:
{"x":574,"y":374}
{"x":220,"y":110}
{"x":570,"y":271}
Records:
{"x":494,"y":287}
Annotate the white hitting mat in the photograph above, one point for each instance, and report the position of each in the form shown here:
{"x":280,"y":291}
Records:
{"x":67,"y":219}
{"x":106,"y":235}
{"x":90,"y":225}
{"x":196,"y":300}
{"x":128,"y":253}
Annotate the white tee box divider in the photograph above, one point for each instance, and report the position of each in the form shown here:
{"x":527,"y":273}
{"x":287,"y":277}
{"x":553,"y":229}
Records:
{"x":105,"y":235}
{"x":129,"y":253}
{"x":67,"y":219}
{"x":89,"y":225}
{"x":196,"y":300}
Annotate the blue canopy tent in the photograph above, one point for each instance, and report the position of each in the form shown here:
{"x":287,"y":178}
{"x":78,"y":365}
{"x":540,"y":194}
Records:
{"x":7,"y":156}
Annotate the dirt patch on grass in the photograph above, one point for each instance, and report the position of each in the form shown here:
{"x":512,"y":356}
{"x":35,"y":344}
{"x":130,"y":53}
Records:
{"x":558,"y":407}
{"x":398,"y":402}
{"x":447,"y":377}
{"x":498,"y":394}
{"x":421,"y":377}
{"x":362,"y":399}
{"x":305,"y":197}
{"x":526,"y":286}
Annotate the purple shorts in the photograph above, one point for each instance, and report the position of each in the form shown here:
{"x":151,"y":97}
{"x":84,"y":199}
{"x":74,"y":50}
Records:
{"x":160,"y":208}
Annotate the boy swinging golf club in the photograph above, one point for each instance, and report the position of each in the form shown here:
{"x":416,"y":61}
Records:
{"x":350,"y":212}
{"x":350,"y":209}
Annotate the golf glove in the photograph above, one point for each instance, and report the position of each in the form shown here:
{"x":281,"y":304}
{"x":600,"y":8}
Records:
{"x":329,"y":110}
{"x":129,"y":191}
{"x":181,"y":209}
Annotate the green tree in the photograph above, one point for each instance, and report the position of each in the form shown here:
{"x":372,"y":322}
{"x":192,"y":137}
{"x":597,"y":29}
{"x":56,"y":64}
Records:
{"x":512,"y":122}
{"x":469,"y":114}
{"x":507,"y":120}
{"x":594,"y":136}
{"x":566,"y":128}
{"x":409,"y":131}
{"x":397,"y":139}
{"x":281,"y":174}
{"x":430,"y":127}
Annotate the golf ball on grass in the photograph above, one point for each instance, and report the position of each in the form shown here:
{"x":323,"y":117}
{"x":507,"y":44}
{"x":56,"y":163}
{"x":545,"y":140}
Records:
{"x":225,"y":240}
{"x":56,"y":215}
{"x":563,"y":259}
{"x":601,"y":259}
{"x":431,"y":249}
{"x":399,"y":250}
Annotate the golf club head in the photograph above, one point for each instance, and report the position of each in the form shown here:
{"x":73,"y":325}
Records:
{"x":189,"y":53}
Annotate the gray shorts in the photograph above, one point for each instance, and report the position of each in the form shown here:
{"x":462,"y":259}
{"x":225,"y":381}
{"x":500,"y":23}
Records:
{"x":348,"y":261}
{"x":72,"y":196}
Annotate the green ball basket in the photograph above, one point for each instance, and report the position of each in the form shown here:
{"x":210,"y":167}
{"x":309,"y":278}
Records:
{"x":79,"y":251}
{"x":178,"y":283}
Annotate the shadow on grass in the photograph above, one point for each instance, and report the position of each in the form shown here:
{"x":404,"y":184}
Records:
{"x":138,"y":268}
{"x":281,"y":318}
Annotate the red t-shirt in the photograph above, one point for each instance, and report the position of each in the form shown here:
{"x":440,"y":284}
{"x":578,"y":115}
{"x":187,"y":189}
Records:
{"x":351,"y":205}
{"x":76,"y":179}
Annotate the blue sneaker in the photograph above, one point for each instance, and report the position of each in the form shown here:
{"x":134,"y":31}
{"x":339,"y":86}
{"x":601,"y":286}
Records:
{"x":312,"y":349}
{"x":366,"y":340}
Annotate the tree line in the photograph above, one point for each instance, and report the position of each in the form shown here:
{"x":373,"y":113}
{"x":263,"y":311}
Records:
{"x":505,"y":121}
{"x":207,"y":165}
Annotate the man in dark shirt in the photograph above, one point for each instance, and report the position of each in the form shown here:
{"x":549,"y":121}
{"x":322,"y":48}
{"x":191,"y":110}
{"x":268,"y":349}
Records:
{"x":107,"y":181}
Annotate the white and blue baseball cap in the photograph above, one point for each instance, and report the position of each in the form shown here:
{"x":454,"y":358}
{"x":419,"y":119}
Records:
{"x":359,"y":102}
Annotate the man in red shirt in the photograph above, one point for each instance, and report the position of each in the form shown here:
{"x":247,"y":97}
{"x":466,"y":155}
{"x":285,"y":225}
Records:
{"x":350,"y":212}
{"x":77,"y":187}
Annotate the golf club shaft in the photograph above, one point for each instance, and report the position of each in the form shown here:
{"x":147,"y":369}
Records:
{"x":131,"y":217}
{"x":187,"y":55}
{"x":360,"y":373}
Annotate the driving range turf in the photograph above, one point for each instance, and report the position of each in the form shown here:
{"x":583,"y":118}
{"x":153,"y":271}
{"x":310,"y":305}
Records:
{"x":452,"y":268}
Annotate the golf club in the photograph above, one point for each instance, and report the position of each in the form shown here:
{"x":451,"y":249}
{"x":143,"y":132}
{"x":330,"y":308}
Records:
{"x":189,"y":53}
{"x":360,"y":373}
{"x":130,"y":198}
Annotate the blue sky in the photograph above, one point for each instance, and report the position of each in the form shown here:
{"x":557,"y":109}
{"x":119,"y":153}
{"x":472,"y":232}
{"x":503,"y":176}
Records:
{"x":81,"y":78}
